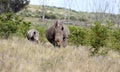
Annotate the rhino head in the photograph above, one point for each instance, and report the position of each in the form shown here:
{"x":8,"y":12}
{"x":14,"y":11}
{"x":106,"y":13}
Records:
{"x":58,"y":33}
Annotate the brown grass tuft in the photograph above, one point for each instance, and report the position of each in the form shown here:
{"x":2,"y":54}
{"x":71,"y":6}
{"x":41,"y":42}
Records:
{"x":20,"y":55}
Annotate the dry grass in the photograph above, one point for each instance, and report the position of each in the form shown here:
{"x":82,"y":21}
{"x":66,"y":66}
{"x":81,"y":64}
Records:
{"x":20,"y":55}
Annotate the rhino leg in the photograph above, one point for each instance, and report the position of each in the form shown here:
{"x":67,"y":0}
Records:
{"x":65,"y":41}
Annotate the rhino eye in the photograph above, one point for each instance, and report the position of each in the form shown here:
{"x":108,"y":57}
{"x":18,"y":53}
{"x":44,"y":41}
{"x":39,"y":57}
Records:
{"x":62,"y":28}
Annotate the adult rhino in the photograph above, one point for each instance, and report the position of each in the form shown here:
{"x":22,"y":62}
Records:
{"x":57,"y":34}
{"x":33,"y":35}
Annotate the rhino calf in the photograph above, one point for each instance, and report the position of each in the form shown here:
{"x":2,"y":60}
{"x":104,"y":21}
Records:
{"x":33,"y":35}
{"x":57,"y":34}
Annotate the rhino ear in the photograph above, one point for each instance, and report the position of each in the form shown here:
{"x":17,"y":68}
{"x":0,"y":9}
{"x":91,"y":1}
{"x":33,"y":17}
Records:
{"x":57,"y":24}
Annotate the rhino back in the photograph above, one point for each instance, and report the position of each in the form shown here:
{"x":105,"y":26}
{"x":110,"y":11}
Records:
{"x":31,"y":32}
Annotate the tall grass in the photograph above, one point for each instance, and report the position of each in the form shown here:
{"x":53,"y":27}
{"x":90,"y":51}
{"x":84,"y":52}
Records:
{"x":20,"y":55}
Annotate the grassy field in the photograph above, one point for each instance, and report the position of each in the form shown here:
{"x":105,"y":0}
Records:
{"x":21,"y":55}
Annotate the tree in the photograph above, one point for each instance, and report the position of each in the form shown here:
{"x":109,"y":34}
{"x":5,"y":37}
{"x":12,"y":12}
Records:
{"x":12,"y":5}
{"x":100,"y":8}
{"x":105,"y":10}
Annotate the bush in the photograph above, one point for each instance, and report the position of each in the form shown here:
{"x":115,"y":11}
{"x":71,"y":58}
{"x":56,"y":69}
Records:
{"x":73,"y":18}
{"x":79,"y":35}
{"x":99,"y":36}
{"x":53,"y":16}
{"x":23,"y":27}
{"x":37,"y":14}
{"x":7,"y":29}
{"x":26,"y":13}
{"x":116,"y":39}
{"x":50,"y":16}
{"x":12,"y":24}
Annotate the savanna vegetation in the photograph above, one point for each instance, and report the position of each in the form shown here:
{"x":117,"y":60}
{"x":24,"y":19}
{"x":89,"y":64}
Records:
{"x":91,"y":49}
{"x":21,"y":55}
{"x":12,"y":24}
{"x":98,"y":36}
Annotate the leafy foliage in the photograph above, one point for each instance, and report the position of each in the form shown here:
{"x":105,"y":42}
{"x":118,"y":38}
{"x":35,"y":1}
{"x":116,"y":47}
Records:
{"x":79,"y":35}
{"x":51,"y":15}
{"x":116,"y":39}
{"x":11,"y":24}
{"x":99,"y":36}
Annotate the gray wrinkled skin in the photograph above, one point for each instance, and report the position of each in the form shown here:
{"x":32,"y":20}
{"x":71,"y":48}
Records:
{"x":33,"y":35}
{"x":57,"y":34}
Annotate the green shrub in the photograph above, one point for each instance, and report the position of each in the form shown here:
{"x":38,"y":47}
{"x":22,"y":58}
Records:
{"x":116,"y":39}
{"x":50,"y":16}
{"x":79,"y":35}
{"x":26,"y":13}
{"x":83,"y":18}
{"x":7,"y":29}
{"x":37,"y":13}
{"x":23,"y":27}
{"x":53,"y":16}
{"x":73,"y":18}
{"x":12,"y":24}
{"x":99,"y":36}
